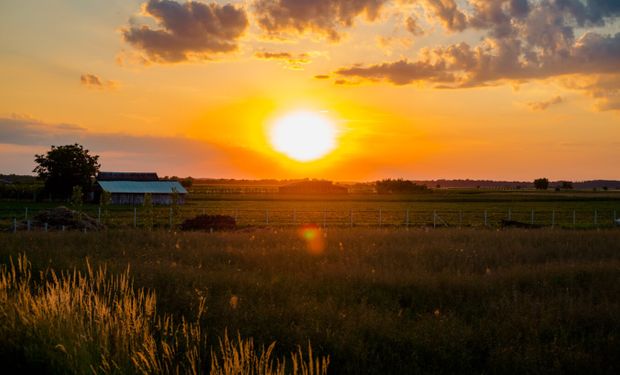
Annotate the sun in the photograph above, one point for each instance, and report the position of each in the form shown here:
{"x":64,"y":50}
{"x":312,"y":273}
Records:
{"x":304,"y":135}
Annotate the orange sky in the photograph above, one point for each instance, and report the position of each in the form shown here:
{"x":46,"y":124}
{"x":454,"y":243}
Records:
{"x":421,"y":89}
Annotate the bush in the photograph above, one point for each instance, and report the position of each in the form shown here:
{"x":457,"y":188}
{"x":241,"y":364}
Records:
{"x":209,"y":222}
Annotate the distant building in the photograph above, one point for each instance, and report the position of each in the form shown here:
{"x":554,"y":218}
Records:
{"x":313,"y":187}
{"x":127,"y":176}
{"x":130,"y":188}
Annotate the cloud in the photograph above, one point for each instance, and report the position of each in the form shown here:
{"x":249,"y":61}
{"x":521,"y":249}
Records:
{"x":400,"y":72}
{"x":189,"y":31}
{"x":280,"y":18}
{"x":605,"y":89}
{"x":321,"y":76}
{"x":413,"y":26}
{"x":524,"y":40}
{"x":448,"y":13}
{"x":291,"y":61}
{"x":23,"y":136}
{"x":96,"y":82}
{"x":542,"y":106}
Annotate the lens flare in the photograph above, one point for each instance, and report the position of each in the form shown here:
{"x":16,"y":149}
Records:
{"x":312,"y":235}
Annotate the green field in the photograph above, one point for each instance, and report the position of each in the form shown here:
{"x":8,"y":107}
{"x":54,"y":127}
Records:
{"x":376,"y":300}
{"x":449,"y":207}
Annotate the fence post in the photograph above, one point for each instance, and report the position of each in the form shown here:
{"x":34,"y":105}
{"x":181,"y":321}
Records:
{"x":553,"y":219}
{"x":26,"y":214}
{"x":14,"y":225}
{"x":532,"y":219}
{"x":170,"y":218}
{"x":434,"y":219}
{"x":509,"y":214}
{"x":595,"y":218}
{"x":135,"y":217}
{"x":460,"y":219}
{"x":99,"y":215}
{"x":63,"y":228}
{"x":486,"y":221}
{"x":380,"y":218}
{"x":351,"y":218}
{"x":45,"y":226}
{"x":574,"y":219}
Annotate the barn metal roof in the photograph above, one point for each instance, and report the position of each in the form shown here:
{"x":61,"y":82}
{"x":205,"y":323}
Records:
{"x":142,"y":187}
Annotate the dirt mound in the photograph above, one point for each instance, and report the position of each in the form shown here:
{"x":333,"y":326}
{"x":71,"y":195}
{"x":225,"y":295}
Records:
{"x":63,"y":217}
{"x":209,"y":222}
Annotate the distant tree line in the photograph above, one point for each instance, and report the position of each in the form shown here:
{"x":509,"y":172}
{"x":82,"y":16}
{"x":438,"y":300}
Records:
{"x":399,"y":186}
{"x":22,"y":190}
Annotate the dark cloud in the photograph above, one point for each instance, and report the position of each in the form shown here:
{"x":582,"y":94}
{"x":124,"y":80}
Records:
{"x":278,"y":18}
{"x":461,"y":65}
{"x":321,"y":76}
{"x":412,"y":25}
{"x":544,"y":105}
{"x":94,"y":81}
{"x":448,"y":13}
{"x":524,"y":40}
{"x":400,"y":72}
{"x":188,"y":30}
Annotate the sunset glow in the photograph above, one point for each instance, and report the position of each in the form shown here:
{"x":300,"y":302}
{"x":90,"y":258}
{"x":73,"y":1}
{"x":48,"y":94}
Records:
{"x":426,"y":89}
{"x":303,"y":136}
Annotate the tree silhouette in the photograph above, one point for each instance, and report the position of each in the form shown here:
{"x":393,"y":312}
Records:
{"x":64,"y":167}
{"x":541,"y":183}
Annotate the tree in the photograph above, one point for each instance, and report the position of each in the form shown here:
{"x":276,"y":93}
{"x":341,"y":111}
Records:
{"x":187,"y":182}
{"x":567,"y":185}
{"x":64,"y":167}
{"x":541,"y":183}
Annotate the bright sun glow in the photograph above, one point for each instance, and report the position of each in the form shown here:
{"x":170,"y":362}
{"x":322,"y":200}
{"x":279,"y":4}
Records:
{"x":303,"y":136}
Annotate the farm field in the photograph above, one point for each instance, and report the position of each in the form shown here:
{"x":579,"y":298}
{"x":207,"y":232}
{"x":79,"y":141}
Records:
{"x":452,"y":208}
{"x":376,"y":300}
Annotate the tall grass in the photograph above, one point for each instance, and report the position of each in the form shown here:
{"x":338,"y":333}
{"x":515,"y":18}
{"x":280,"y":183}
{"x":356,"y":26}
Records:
{"x":93,"y":322}
{"x":378,"y":301}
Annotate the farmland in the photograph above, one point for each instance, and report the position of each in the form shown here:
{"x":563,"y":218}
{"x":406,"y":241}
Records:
{"x":425,"y":283}
{"x":376,"y":300}
{"x":442,"y":207}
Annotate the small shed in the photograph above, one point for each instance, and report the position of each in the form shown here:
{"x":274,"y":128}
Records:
{"x":132,"y":192}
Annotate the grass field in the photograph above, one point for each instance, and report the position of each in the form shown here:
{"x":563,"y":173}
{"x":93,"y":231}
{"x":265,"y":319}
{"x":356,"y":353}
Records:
{"x":454,"y":208}
{"x":376,"y":300}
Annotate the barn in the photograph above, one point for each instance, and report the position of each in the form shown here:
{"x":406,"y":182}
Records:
{"x":130,"y":188}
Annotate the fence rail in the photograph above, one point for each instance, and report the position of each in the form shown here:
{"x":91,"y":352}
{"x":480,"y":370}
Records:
{"x":169,"y":218}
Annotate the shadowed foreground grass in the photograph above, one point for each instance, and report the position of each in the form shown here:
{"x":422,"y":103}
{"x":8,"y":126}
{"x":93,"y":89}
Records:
{"x":376,"y":301}
{"x":94,"y":323}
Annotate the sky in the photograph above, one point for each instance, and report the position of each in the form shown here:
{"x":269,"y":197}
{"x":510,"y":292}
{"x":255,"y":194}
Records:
{"x":417,"y":89}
